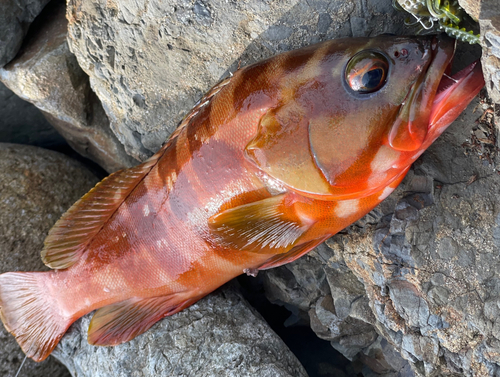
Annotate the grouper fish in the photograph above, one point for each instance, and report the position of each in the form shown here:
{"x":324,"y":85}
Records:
{"x":271,"y":162}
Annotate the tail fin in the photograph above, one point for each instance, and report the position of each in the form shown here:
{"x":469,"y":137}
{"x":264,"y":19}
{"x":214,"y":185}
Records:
{"x":28,"y":314}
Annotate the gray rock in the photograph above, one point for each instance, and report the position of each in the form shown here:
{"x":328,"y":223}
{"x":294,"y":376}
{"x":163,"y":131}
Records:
{"x":36,"y":187}
{"x":15,"y":19}
{"x":150,"y":62}
{"x":489,"y":22}
{"x":46,"y":74}
{"x":487,"y":13}
{"x":421,"y":273}
{"x":221,"y":335}
{"x":23,"y":123}
{"x":431,"y":282}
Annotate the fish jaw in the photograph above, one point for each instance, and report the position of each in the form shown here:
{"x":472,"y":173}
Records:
{"x":452,"y":99}
{"x":410,"y":127}
{"x":435,"y":100}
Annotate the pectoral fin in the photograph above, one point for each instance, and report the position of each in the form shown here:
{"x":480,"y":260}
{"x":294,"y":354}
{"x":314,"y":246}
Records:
{"x":121,"y":322}
{"x":293,"y":254}
{"x":269,"y":226}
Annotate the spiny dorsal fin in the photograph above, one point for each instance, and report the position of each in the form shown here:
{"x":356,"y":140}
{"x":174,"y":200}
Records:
{"x":268,"y":226}
{"x":118,"y":323}
{"x":71,"y":234}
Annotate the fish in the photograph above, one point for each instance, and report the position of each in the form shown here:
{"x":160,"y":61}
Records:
{"x":271,"y":162}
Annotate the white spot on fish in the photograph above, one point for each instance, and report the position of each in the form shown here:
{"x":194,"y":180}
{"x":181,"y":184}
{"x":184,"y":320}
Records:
{"x":346,"y":208}
{"x":385,"y":158}
{"x":106,"y":289}
{"x":387,"y":191}
{"x":162,"y":243}
{"x":145,"y":210}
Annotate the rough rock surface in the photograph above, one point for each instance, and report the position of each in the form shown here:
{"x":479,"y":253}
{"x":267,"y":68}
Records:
{"x":149,"y":62}
{"x":36,"y":187}
{"x":489,"y":22}
{"x":487,"y":13}
{"x":47,"y":74}
{"x":221,"y":335}
{"x":15,"y":19}
{"x":422,"y":271}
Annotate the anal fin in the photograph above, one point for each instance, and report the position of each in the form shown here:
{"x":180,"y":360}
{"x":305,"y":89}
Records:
{"x":268,"y":226}
{"x":118,"y":323}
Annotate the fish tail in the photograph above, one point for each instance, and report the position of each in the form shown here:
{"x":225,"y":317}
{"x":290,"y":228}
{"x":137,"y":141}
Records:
{"x":28,"y":313}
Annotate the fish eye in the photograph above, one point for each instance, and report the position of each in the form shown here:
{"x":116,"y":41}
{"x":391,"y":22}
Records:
{"x":366,"y":72}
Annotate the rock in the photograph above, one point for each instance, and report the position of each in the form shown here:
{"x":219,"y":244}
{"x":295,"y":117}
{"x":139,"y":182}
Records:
{"x":15,"y":19}
{"x":23,"y":123}
{"x":489,"y":22}
{"x":320,"y":288}
{"x":221,"y":335}
{"x":150,"y":62}
{"x":487,"y":13}
{"x":422,"y":272}
{"x":46,"y":74}
{"x":36,"y":188}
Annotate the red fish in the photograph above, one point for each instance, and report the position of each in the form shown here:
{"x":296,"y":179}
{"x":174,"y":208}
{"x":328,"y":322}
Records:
{"x":270,"y":163}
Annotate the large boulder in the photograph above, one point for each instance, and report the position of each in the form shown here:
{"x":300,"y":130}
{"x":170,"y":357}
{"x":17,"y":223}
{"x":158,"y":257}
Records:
{"x":420,"y":274}
{"x":149,"y":62}
{"x":22,"y":123}
{"x":487,"y":13}
{"x":36,"y":188}
{"x":47,"y":74}
{"x":15,"y":19}
{"x":221,"y":335}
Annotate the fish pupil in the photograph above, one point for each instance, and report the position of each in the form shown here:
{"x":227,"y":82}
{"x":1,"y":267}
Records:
{"x":372,"y":78}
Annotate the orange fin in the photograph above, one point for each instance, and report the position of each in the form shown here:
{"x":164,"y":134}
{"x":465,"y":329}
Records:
{"x":268,"y":226}
{"x":69,"y":237}
{"x":118,"y":323}
{"x":295,"y":253}
{"x":28,"y":314}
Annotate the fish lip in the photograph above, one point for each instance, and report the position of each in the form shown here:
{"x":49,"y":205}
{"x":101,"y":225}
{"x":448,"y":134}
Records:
{"x":455,"y":91}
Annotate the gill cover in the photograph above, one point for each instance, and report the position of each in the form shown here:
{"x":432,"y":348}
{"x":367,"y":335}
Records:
{"x":340,"y":134}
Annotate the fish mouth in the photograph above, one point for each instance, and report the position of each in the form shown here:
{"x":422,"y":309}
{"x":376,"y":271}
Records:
{"x":435,"y":99}
{"x":453,"y":95}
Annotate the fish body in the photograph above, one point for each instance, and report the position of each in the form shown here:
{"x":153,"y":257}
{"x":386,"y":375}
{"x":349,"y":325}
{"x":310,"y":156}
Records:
{"x":270,"y":163}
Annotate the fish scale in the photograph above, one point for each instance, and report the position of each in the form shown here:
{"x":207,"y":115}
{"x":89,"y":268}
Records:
{"x":270,"y":163}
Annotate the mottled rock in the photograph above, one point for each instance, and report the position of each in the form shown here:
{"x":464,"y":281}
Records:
{"x":221,"y":335}
{"x":36,"y":187}
{"x":150,"y":62}
{"x":15,"y":19}
{"x":23,"y":123}
{"x":421,"y":272}
{"x":47,"y":74}
{"x":487,"y":13}
{"x":322,"y":290}
{"x":489,"y":23}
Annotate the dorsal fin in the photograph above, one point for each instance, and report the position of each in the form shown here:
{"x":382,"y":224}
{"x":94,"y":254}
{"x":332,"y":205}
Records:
{"x":68,"y":239}
{"x":71,"y":234}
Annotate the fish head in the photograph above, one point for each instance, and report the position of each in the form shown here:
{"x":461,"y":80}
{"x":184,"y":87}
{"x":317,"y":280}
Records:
{"x":360,"y":113}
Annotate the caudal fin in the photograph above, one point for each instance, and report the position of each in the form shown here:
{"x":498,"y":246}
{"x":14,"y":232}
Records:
{"x":28,"y":314}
